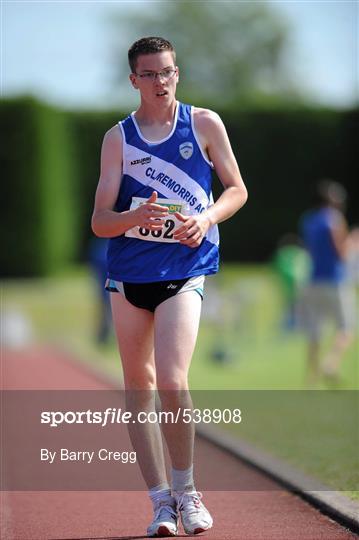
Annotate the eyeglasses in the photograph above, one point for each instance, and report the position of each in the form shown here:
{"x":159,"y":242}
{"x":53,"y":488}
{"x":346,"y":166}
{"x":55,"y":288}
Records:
{"x":165,"y":74}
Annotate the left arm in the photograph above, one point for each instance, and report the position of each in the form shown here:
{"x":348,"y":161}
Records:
{"x":215,"y":142}
{"x":339,"y":234}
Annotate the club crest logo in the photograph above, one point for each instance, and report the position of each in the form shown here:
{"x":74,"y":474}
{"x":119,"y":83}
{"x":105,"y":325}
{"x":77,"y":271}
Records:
{"x":186,"y":149}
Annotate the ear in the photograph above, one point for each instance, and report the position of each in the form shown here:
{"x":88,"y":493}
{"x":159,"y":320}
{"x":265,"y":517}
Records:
{"x":133,"y":80}
{"x":177,"y":74}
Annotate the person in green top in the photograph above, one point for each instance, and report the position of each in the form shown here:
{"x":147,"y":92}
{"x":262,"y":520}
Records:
{"x":292,"y":265}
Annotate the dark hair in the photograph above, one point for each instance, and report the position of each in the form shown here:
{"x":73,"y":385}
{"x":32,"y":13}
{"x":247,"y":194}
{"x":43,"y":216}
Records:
{"x":148,"y":45}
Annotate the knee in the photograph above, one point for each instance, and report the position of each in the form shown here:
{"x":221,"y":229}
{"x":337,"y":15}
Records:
{"x":173,"y":399}
{"x":144,"y":379}
{"x":139,"y":384}
{"x":172,"y":382}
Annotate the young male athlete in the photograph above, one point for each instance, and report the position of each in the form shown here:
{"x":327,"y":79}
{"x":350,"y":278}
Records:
{"x":154,"y":201}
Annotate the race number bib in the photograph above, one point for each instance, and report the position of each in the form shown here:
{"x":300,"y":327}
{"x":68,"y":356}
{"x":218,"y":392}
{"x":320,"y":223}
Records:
{"x":171,"y":223}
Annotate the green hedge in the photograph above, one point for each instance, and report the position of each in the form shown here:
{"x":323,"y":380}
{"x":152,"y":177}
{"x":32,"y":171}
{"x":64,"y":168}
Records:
{"x":88,"y":130}
{"x":38,"y":205}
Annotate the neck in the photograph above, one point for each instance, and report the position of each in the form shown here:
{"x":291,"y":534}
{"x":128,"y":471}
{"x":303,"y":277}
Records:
{"x":148,"y":114}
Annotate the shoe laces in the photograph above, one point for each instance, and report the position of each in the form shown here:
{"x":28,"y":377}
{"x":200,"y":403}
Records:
{"x":190,"y":501}
{"x":164,"y":510}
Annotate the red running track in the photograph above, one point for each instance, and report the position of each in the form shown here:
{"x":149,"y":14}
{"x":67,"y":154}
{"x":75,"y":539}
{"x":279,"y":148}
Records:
{"x":267,"y":513}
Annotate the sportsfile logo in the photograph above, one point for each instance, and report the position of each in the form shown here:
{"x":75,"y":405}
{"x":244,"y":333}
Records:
{"x":141,"y":161}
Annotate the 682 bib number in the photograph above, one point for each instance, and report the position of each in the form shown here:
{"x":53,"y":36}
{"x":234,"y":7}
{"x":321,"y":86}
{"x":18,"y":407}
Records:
{"x":171,"y":224}
{"x":166,"y":232}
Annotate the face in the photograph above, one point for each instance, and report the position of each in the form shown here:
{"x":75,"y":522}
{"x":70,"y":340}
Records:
{"x":160,"y":88}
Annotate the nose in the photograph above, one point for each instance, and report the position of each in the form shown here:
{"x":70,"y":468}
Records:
{"x":159,"y":76}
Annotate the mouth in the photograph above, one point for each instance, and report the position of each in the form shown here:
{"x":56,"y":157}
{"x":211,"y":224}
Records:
{"x":161,"y":94}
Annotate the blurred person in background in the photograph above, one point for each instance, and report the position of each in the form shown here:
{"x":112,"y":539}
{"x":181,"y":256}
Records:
{"x":97,"y":259}
{"x":353,"y":269}
{"x":353,"y":256}
{"x":154,"y":202}
{"x":328,"y":295}
{"x":292,"y":266}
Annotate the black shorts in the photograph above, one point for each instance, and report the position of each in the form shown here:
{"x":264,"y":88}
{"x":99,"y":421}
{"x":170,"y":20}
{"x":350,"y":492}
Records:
{"x":150,"y":295}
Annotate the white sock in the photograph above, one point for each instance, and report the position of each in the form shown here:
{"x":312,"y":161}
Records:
{"x":157,"y":493}
{"x":182,"y":480}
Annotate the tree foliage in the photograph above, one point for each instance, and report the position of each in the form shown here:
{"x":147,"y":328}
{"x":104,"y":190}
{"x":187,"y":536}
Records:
{"x":225,"y":50}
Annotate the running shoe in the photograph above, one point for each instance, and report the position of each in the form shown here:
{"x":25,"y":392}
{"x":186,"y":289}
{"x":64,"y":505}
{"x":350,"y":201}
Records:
{"x":194,"y":515}
{"x":165,"y":521}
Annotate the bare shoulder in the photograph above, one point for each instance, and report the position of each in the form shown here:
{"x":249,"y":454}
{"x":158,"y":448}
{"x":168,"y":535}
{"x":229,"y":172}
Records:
{"x":111,"y":152}
{"x":209,"y":127}
{"x":205,"y":119}
{"x":113,"y":136}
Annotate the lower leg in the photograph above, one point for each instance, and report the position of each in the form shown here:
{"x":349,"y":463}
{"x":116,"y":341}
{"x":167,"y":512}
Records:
{"x":176,"y":328}
{"x":313,"y":362}
{"x":334,"y":357}
{"x":146,"y":439}
{"x":179,"y":435}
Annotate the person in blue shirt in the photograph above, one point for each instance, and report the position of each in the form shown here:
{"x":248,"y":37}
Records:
{"x":324,"y":231}
{"x":97,"y":259}
{"x":154,"y":201}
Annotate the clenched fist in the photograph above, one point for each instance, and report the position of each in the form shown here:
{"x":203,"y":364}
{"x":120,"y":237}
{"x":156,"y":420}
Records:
{"x":151,"y":215}
{"x":193,"y":230}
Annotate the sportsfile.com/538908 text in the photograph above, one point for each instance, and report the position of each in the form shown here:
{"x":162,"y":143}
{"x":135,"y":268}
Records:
{"x":112,"y":415}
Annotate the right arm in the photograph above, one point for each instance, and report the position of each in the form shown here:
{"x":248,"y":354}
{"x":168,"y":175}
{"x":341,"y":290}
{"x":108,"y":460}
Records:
{"x":106,"y":222}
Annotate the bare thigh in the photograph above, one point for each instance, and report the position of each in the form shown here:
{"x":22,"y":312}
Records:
{"x":134,"y":330}
{"x":176,"y":329}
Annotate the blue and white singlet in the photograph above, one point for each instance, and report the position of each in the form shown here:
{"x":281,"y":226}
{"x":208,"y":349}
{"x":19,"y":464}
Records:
{"x":178,"y":170}
{"x":327,"y":264}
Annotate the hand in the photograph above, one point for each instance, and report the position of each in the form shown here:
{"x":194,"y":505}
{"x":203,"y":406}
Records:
{"x":150,"y":215}
{"x":193,"y":230}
